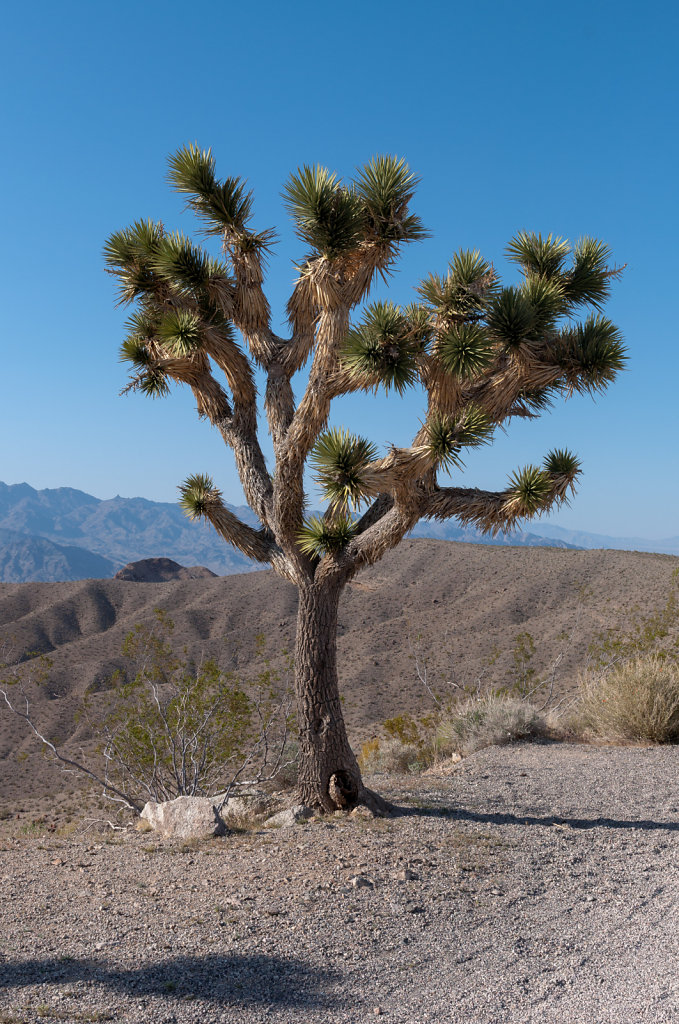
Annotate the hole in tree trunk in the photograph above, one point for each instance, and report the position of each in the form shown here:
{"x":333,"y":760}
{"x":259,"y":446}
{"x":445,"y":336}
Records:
{"x":343,"y":789}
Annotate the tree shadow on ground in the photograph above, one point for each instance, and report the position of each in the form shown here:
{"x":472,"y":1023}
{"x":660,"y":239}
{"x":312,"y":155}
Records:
{"x":236,"y":979}
{"x":549,"y":821}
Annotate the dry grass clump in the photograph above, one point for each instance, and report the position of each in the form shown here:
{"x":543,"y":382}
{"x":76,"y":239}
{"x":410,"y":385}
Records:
{"x":391,"y":756}
{"x":488,"y":721}
{"x":637,"y":700}
{"x":413,"y":745}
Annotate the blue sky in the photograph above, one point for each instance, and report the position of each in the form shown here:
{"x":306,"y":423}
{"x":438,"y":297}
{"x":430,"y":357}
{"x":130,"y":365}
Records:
{"x":515,"y":116}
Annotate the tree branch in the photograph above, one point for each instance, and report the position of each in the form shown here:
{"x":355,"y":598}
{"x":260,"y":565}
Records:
{"x":69,"y":764}
{"x":490,"y":511}
{"x":384,"y":534}
{"x":259,"y":544}
{"x":251,"y":467}
{"x":382,"y":504}
{"x":307,"y":422}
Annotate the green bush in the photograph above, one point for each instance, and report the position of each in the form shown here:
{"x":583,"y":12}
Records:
{"x":172,"y":727}
{"x":168,"y":726}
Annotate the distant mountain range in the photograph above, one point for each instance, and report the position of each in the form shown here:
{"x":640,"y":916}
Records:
{"x":578,"y":538}
{"x":65,"y":534}
{"x":111,"y":533}
{"x":469,"y":535}
{"x":24,"y":558}
{"x":548,"y":535}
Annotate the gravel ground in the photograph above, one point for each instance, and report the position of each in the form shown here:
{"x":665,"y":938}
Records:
{"x":533,"y":883}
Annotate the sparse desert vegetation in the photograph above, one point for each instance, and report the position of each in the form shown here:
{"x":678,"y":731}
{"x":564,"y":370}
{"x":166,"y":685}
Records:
{"x":499,"y":617}
{"x":627,"y":692}
{"x":558,"y":850}
{"x":170,"y":725}
{"x":636,"y":701}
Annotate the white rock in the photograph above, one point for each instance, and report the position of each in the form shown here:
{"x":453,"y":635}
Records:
{"x":291,"y":816}
{"x":186,"y":817}
{"x":252,"y":806}
{"x":193,"y":817}
{"x":363,"y":812}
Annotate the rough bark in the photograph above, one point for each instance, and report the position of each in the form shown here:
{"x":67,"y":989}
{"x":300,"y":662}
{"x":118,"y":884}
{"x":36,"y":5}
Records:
{"x":329,"y":778}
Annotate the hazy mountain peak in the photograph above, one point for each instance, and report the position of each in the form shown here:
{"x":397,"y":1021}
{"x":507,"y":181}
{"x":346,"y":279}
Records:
{"x":120,"y":530}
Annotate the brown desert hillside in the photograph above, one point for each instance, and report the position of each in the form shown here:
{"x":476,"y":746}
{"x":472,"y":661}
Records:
{"x":161,"y":570}
{"x":460,"y":606}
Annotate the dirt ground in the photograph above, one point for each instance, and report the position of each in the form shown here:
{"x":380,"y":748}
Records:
{"x":533,"y":883}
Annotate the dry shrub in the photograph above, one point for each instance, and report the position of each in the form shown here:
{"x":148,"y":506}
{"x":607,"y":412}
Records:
{"x":460,"y":730}
{"x":485,"y":722}
{"x":637,"y":700}
{"x":392,"y":756}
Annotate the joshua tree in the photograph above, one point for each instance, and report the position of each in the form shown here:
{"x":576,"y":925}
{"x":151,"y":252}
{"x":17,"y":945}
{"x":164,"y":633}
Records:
{"x":483,"y":353}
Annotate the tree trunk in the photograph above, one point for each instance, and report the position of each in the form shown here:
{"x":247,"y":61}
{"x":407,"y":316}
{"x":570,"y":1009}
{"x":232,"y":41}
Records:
{"x":329,"y":777}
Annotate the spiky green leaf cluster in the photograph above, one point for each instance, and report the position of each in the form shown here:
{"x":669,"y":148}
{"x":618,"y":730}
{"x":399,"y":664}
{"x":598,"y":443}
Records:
{"x":464,"y":351}
{"x":386,"y":187}
{"x":469,"y":269}
{"x":128,"y":255}
{"x":448,"y":435}
{"x":560,"y":462}
{"x":178,"y":288}
{"x":340,"y":460}
{"x":383,"y":350}
{"x":334,"y":219}
{"x":134,"y":350}
{"x":184,"y":265}
{"x":542,"y":257}
{"x":548,"y":303}
{"x":135,"y":243}
{"x":588,"y":282}
{"x":142,"y":324}
{"x":527,"y":314}
{"x":328,"y":215}
{"x":442,"y":441}
{"x":153,"y":383}
{"x":179,"y":331}
{"x":511,"y":317}
{"x":141,"y":327}
{"x":463,"y":292}
{"x":145,"y":259}
{"x":592,"y":353}
{"x":531,"y":487}
{"x":474,"y":428}
{"x":194,"y":494}
{"x":536,"y":400}
{"x":222,"y":205}
{"x":320,"y":536}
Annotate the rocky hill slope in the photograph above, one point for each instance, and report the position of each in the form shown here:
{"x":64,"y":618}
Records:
{"x":458,"y":608}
